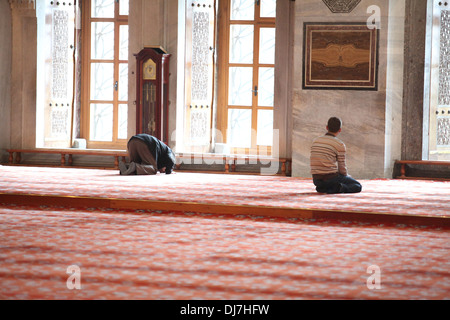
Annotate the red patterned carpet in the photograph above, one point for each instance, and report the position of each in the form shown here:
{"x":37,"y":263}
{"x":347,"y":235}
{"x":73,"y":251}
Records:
{"x":144,"y":252}
{"x":173,"y":255}
{"x":284,"y":195}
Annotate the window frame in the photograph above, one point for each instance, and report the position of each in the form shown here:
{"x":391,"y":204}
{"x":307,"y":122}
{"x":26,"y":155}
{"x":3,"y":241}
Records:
{"x":224,"y":64}
{"x":86,"y":100}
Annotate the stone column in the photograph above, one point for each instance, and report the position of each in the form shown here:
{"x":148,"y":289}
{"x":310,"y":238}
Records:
{"x":415,"y":30}
{"x":23,"y":74}
{"x":5,"y":79}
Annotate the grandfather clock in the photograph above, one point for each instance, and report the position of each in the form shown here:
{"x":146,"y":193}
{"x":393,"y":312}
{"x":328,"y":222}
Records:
{"x":152,"y":96}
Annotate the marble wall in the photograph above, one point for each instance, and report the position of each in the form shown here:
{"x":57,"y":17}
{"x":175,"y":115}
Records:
{"x":364,"y":113}
{"x":394,"y":85}
{"x":18,"y":74}
{"x":23,"y":75}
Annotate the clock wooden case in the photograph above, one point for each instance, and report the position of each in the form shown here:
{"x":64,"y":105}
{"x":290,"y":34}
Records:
{"x":152,"y":96}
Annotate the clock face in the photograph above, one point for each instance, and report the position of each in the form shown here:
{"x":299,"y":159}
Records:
{"x":149,"y":70}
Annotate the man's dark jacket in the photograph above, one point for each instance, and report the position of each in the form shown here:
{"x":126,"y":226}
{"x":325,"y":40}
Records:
{"x":161,"y":152}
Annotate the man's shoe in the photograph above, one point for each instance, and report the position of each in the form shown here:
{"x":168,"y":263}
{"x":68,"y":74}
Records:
{"x":122,"y":167}
{"x":131,"y":169}
{"x":127,"y":169}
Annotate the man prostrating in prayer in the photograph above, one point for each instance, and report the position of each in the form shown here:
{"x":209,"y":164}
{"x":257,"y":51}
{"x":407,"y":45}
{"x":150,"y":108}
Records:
{"x":148,"y":156}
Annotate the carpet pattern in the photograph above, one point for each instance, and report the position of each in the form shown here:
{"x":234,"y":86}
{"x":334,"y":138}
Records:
{"x":420,"y":198}
{"x":173,"y":255}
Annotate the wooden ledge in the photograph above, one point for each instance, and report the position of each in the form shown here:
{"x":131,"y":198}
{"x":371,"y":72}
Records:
{"x":403,"y":164}
{"x":424,"y":162}
{"x":217,"y":208}
{"x":15,"y":155}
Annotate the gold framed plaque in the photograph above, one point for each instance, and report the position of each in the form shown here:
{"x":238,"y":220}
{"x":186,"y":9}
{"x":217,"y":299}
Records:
{"x":340,"y":56}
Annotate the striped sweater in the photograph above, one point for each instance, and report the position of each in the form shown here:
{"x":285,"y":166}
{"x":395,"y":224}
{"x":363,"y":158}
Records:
{"x":328,"y":155}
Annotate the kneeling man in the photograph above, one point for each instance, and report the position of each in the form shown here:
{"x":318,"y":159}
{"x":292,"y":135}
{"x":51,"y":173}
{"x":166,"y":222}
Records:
{"x":328,"y":165}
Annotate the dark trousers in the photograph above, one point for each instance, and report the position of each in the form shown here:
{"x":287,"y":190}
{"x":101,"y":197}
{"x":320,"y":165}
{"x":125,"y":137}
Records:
{"x":338,"y":184}
{"x":140,"y":154}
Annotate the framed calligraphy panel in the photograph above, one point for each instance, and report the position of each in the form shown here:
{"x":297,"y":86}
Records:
{"x":340,"y":56}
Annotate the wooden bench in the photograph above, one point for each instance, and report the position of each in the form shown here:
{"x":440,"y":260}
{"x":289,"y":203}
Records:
{"x":403,"y":164}
{"x":230,"y":162}
{"x":15,"y":155}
